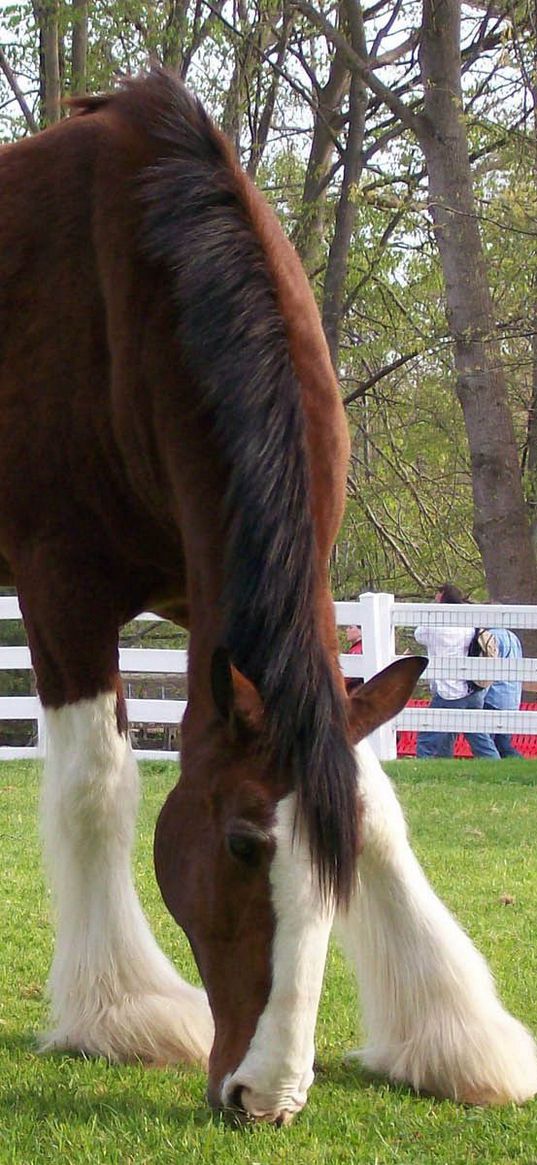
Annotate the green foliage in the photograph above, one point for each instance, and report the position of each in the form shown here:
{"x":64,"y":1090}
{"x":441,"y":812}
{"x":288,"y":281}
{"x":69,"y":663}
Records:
{"x":409,"y":518}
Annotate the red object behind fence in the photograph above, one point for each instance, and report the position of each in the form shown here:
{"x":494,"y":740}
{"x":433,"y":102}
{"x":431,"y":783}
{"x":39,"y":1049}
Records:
{"x":525,"y":745}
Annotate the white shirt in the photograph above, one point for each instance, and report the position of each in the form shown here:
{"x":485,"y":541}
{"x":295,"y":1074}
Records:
{"x":446,"y":641}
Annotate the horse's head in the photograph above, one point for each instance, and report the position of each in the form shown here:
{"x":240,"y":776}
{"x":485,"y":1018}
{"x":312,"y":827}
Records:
{"x":235,"y":870}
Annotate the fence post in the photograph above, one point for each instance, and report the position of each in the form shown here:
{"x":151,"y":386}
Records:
{"x":379,"y":650}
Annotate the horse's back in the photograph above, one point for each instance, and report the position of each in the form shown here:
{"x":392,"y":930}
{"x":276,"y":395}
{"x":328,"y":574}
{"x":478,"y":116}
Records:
{"x":78,"y":291}
{"x":100,"y":381}
{"x":68,"y":210}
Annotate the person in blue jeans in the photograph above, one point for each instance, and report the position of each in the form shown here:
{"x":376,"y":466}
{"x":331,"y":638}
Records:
{"x":446,"y":640}
{"x":505,"y":694}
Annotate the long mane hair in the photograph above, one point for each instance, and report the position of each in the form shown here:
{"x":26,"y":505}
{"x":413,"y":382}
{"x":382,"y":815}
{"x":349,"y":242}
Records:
{"x":198,"y":228}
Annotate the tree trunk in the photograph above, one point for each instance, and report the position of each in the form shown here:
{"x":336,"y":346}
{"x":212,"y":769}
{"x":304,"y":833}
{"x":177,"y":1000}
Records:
{"x":336,"y":271}
{"x":79,"y":56}
{"x":174,"y":34}
{"x":501,"y":524}
{"x":46,"y":18}
{"x":310,"y":230}
{"x":246,"y":61}
{"x":262,"y":128}
{"x":531,"y":460}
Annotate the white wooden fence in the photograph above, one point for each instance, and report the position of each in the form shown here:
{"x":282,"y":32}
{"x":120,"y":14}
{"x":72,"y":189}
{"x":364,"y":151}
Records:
{"x":379,"y":617}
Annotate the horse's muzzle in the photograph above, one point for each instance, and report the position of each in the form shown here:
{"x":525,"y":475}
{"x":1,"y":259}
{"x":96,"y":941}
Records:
{"x":238,"y":1107}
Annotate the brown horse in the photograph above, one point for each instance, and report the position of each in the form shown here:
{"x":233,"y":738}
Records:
{"x":172,"y":438}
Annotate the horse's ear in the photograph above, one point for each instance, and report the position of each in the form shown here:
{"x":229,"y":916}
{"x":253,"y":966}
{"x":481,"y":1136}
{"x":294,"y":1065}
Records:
{"x":248,"y":702}
{"x":235,"y":697}
{"x":381,"y":698}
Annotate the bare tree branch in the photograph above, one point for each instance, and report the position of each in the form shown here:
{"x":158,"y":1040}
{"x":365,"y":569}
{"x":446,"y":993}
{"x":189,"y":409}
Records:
{"x":17,"y":92}
{"x":382,"y":372}
{"x":410,"y":120}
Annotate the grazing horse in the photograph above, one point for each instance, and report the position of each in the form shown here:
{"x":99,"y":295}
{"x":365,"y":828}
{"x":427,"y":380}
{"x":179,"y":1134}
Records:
{"x":172,"y":438}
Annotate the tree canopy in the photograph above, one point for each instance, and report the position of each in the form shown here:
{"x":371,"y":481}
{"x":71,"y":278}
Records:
{"x":397,"y":143}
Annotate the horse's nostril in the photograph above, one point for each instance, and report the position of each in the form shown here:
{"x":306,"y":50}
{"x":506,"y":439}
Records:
{"x":235,"y":1098}
{"x":284,"y":1118}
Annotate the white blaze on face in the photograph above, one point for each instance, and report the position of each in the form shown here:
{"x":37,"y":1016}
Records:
{"x":277,"y":1070}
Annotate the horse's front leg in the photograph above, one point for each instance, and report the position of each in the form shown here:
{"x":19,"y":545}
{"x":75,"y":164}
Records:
{"x":431,"y":1012}
{"x":113,"y":992}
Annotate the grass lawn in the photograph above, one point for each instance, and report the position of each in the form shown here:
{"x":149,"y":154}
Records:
{"x":474,"y":828}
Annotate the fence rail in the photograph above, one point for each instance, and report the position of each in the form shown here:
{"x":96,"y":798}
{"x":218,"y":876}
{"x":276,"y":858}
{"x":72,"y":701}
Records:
{"x":379,"y":617}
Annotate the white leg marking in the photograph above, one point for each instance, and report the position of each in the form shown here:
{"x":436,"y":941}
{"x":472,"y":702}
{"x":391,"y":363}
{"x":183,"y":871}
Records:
{"x":278,"y":1067}
{"x":113,"y":991}
{"x":431,"y":1011}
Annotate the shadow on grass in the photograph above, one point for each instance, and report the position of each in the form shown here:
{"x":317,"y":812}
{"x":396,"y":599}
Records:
{"x":57,"y":1104}
{"x":56,"y":1097}
{"x":26,"y":1042}
{"x":353,"y":1077}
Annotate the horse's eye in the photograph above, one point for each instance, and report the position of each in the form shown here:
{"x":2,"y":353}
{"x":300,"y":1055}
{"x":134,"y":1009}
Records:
{"x":245,"y":848}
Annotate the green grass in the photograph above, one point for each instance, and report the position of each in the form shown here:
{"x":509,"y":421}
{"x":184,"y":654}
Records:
{"x":474,"y":828}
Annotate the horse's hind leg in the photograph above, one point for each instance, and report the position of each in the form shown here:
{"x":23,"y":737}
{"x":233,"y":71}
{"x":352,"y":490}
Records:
{"x":113,"y":992}
{"x":431,"y":1012}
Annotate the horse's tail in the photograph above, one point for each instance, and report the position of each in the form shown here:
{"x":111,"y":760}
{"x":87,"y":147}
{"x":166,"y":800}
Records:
{"x":199,"y":228}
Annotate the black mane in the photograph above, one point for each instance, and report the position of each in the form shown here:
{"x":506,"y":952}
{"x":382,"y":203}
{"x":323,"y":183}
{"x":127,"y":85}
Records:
{"x":231,"y":329}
